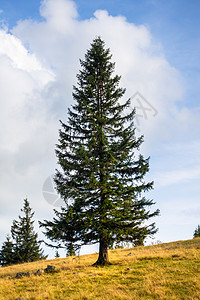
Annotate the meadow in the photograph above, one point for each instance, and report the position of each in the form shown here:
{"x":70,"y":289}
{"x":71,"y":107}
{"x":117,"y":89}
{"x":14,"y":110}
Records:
{"x":165,"y":271}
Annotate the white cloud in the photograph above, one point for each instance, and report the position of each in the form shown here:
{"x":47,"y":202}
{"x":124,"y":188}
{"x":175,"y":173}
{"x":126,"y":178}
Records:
{"x":13,"y":49}
{"x":22,"y":79}
{"x":60,"y":14}
{"x":26,"y":126}
{"x":173,"y":177}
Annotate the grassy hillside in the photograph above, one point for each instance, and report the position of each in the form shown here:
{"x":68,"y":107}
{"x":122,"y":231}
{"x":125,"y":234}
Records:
{"x":165,"y":271}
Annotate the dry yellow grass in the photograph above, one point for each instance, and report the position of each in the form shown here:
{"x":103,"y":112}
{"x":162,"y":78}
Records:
{"x":166,"y":271}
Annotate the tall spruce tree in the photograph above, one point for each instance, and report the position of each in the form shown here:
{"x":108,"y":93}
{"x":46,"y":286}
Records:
{"x":26,"y":246}
{"x":101,"y":178}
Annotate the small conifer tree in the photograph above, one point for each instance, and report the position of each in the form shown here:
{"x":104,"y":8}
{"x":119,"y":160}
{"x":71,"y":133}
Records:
{"x":197,"y":232}
{"x":7,"y":255}
{"x":57,"y":254}
{"x":26,"y":245}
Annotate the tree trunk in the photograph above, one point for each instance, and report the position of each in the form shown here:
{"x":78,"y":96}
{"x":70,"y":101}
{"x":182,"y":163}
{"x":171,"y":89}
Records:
{"x":103,"y":254}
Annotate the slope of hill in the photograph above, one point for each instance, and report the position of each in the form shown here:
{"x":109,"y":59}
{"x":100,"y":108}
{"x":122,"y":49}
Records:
{"x":165,"y":271}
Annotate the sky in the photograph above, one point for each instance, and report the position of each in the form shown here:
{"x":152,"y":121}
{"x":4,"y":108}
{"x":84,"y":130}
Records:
{"x":156,"y":47}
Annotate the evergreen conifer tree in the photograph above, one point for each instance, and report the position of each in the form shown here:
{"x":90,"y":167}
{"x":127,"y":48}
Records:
{"x":26,"y":245}
{"x":57,"y":254}
{"x":102,"y":172}
{"x":7,"y":255}
{"x":197,"y":232}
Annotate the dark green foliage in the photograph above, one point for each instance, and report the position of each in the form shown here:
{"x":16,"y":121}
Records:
{"x":57,"y":254}
{"x":102,"y":172}
{"x":197,"y":232}
{"x":7,"y":256}
{"x":25,"y":247}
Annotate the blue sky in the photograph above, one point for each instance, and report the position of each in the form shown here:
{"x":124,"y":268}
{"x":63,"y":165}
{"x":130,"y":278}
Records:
{"x":156,"y":46}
